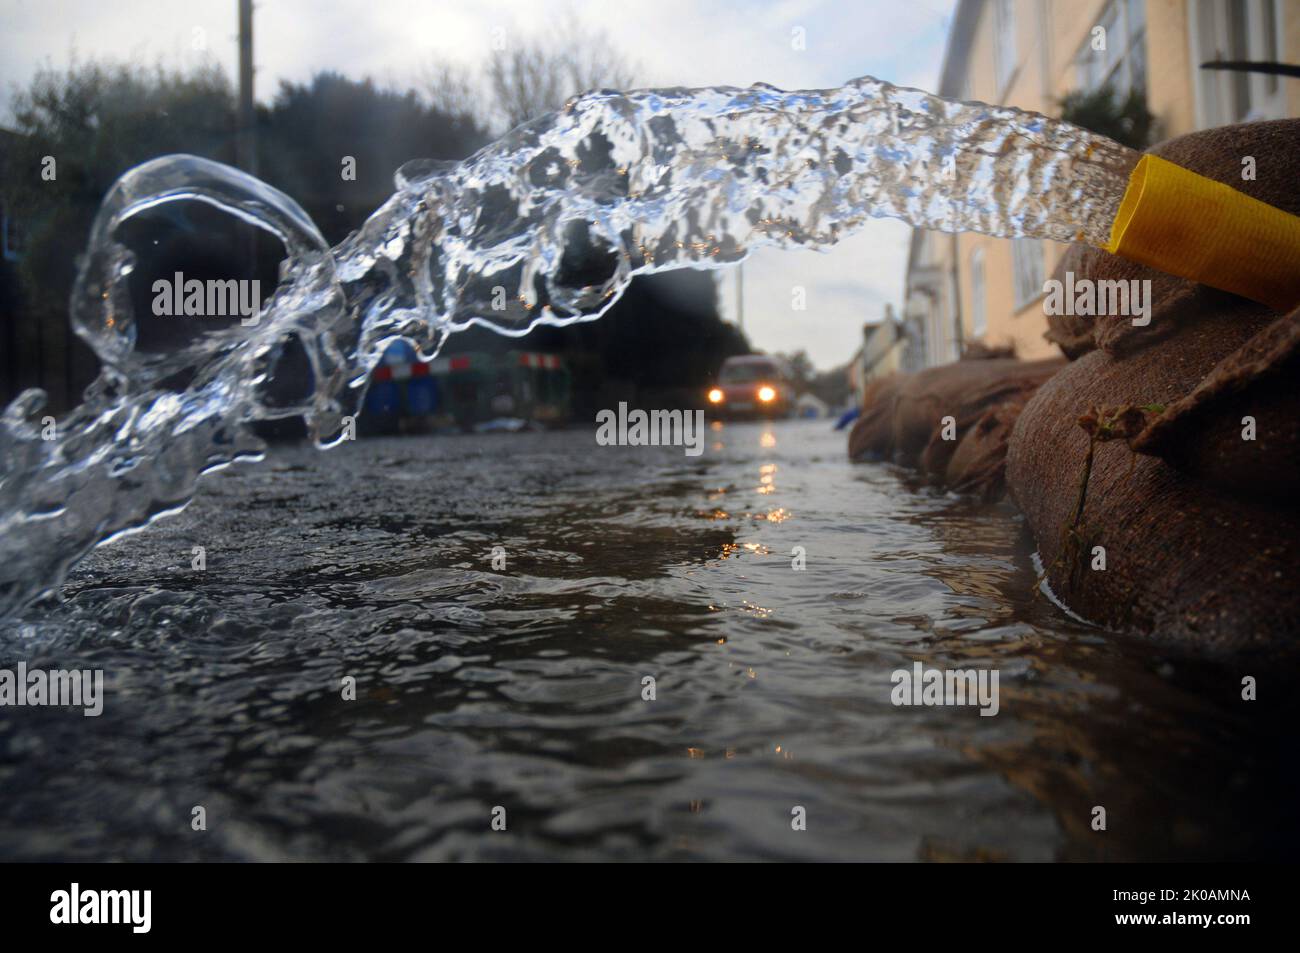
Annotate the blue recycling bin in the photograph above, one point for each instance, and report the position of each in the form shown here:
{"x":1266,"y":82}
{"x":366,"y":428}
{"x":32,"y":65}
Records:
{"x":421,"y":396}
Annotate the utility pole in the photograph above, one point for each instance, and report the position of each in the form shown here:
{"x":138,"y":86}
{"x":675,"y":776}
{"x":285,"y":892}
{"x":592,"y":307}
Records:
{"x":740,"y":296}
{"x":246,"y":136}
{"x":246,"y":133}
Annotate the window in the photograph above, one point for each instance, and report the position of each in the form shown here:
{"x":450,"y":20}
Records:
{"x":746,"y":373}
{"x":1122,"y":63}
{"x":952,"y":311}
{"x":1004,"y":50}
{"x":1270,"y":40}
{"x":979,"y":323}
{"x":1027,"y":266}
{"x":1237,"y":30}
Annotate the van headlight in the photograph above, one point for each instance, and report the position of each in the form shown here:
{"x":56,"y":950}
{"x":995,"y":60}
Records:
{"x":766,"y":394}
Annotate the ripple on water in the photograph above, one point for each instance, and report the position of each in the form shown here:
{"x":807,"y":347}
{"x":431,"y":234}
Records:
{"x":522,"y":688}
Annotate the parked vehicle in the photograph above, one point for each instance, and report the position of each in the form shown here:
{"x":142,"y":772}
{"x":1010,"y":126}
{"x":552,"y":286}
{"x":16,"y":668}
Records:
{"x":403,"y":393}
{"x":752,"y":385}
{"x":518,"y":385}
{"x":469,"y":390}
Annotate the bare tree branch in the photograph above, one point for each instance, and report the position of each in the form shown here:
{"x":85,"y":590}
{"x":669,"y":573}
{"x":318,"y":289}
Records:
{"x":450,"y":89}
{"x":531,"y":78}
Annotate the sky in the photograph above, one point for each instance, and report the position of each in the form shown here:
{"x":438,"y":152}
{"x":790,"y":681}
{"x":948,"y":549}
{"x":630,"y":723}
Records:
{"x":667,"y":42}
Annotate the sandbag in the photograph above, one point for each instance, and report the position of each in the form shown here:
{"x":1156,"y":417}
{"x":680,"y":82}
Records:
{"x":903,"y":418}
{"x":1196,"y":524}
{"x":872,"y":434}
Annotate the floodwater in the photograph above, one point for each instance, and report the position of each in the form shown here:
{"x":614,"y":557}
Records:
{"x":522,"y":688}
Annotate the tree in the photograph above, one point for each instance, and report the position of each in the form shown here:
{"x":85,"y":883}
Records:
{"x":801,"y":369}
{"x":664,"y":338}
{"x":311,"y":131}
{"x":833,"y":386}
{"x":77,"y":130}
{"x":450,"y":89}
{"x":98,"y":120}
{"x":1127,"y":120}
{"x":528,"y":78}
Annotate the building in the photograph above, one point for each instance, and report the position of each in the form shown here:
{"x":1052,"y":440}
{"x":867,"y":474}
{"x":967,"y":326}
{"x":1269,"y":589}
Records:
{"x":1030,"y":54}
{"x":884,"y":351}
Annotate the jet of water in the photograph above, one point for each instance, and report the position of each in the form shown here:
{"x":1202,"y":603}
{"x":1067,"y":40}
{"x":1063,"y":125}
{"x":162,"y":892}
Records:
{"x":546,"y":226}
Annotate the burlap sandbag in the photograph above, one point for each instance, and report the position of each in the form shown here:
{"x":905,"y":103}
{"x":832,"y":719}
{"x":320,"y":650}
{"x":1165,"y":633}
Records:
{"x":872,"y":434}
{"x":1197,"y":525}
{"x":903,"y":419}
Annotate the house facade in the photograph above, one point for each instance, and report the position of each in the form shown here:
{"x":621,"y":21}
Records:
{"x":883,"y":352}
{"x":1030,"y":54}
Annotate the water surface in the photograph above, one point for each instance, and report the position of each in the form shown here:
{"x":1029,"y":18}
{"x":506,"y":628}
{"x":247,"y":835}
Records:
{"x":522,"y":688}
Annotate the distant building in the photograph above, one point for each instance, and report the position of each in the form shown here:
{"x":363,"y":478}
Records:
{"x":1030,"y":54}
{"x":809,"y":404}
{"x":884,"y":351}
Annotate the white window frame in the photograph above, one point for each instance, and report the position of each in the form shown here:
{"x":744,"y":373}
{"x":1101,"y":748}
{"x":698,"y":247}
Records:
{"x":1026,"y":270}
{"x":1005,"y":54}
{"x":1124,"y":40}
{"x":952,"y":311}
{"x":1209,"y":26}
{"x":979,"y":320}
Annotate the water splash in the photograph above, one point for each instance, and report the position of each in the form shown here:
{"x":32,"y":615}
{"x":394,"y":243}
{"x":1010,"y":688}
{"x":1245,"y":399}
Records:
{"x":546,"y":226}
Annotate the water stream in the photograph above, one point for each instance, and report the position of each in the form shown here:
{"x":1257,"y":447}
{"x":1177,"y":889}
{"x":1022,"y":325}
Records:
{"x":523,"y":688}
{"x":478,"y":688}
{"x":546,"y":226}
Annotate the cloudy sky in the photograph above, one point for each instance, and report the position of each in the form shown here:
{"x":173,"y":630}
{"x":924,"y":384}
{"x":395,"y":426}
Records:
{"x":671,"y":42}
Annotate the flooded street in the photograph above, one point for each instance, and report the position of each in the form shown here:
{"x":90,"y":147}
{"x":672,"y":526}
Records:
{"x":522,"y":687}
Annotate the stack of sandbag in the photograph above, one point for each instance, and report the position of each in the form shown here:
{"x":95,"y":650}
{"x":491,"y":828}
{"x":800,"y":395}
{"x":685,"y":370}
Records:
{"x":1157,"y":469}
{"x":1193,"y":503}
{"x":953,"y":421}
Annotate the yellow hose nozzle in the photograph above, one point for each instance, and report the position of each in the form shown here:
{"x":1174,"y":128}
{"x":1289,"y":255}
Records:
{"x":1187,"y":225}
